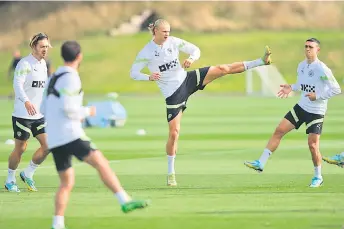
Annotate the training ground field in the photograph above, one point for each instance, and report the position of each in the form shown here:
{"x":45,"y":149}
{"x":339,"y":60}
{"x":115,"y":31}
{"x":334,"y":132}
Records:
{"x":215,"y":190}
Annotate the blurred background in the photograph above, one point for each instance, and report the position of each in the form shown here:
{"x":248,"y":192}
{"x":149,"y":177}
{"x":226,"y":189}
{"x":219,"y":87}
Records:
{"x":112,"y":33}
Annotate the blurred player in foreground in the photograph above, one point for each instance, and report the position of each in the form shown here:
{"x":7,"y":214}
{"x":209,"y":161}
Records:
{"x":62,"y":106}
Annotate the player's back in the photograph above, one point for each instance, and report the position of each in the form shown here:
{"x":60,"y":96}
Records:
{"x":62,"y":106}
{"x":29,"y":76}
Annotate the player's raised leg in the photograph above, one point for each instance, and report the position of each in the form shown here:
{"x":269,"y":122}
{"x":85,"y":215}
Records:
{"x":171,"y":148}
{"x":313,"y":144}
{"x":101,"y":164}
{"x":283,"y":128}
{"x":218,"y":71}
{"x":13,"y":162}
{"x":37,"y":159}
{"x":337,"y":159}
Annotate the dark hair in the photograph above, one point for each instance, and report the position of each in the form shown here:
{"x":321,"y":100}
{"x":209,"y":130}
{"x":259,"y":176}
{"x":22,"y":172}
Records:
{"x":313,"y":40}
{"x":70,"y":50}
{"x":39,"y":36}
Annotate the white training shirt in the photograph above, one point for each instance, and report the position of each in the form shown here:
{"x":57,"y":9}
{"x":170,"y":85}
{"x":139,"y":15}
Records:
{"x":28,"y":83}
{"x":164,"y":59}
{"x":64,"y":114}
{"x":315,"y":77}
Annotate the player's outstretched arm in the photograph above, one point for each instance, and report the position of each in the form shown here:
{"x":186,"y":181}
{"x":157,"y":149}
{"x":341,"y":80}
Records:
{"x":285,"y":91}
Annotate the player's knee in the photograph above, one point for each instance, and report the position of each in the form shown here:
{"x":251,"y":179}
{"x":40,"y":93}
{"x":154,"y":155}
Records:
{"x":67,"y":185}
{"x":312,"y":145}
{"x":19,"y":149}
{"x":174,"y":134}
{"x":224,"y":69}
{"x":279,"y":132}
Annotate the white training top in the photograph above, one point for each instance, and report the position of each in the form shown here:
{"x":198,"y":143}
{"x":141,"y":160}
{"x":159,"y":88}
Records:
{"x":164,"y":59}
{"x":28,"y":83}
{"x":315,"y":77}
{"x":64,"y":114}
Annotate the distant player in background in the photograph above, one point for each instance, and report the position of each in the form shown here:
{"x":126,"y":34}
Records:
{"x":161,"y":55}
{"x":63,"y":110}
{"x":16,"y":58}
{"x":29,"y":79}
{"x":317,"y":84}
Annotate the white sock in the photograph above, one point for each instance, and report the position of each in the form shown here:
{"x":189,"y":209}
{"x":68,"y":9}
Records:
{"x":317,"y":171}
{"x":30,"y":170}
{"x":170,"y":160}
{"x":265,"y":156}
{"x":58,"y":222}
{"x":122,"y":197}
{"x":253,"y":63}
{"x":11,"y":176}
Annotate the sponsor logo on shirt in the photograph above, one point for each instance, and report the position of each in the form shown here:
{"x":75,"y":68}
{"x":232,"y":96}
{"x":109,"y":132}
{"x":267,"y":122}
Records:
{"x":38,"y":84}
{"x":307,"y":88}
{"x":168,"y":66}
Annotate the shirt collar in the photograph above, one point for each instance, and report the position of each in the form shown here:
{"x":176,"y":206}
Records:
{"x":67,"y":69}
{"x":34,"y":59}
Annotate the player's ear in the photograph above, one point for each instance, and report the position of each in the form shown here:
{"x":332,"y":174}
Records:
{"x":79,"y":57}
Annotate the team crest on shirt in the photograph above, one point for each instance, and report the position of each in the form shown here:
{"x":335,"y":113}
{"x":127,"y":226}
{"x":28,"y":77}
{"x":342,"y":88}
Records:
{"x":311,"y":73}
{"x":156,"y":53}
{"x":169,"y":50}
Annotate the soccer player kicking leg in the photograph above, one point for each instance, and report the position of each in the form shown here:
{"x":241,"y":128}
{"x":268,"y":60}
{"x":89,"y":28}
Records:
{"x":337,"y":159}
{"x":176,"y":103}
{"x":66,"y":173}
{"x":286,"y":125}
{"x":161,"y":56}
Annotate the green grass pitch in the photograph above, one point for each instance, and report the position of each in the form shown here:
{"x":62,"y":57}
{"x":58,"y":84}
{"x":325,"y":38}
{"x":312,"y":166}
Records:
{"x":215,"y":189}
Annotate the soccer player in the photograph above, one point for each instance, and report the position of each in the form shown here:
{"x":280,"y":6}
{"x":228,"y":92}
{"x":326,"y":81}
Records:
{"x":337,"y":159}
{"x":29,"y":79}
{"x":62,"y":107}
{"x":317,"y":84}
{"x":161,"y":56}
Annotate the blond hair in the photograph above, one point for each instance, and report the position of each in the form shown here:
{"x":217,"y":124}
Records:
{"x":37,"y":37}
{"x":156,"y":24}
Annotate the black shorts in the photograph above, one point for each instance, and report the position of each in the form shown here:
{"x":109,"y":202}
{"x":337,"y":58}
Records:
{"x":297,"y":116}
{"x":23,"y":128}
{"x":63,"y":154}
{"x":192,"y":83}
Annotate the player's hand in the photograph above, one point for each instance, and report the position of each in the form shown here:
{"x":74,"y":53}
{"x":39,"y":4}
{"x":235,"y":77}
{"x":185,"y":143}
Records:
{"x":31,"y":110}
{"x":187,"y":63}
{"x":312,"y":96}
{"x":93,"y":111}
{"x":285,"y":90}
{"x":154,"y":76}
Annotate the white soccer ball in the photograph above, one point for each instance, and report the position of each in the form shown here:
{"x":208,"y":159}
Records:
{"x":9,"y":142}
{"x":141,"y":132}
